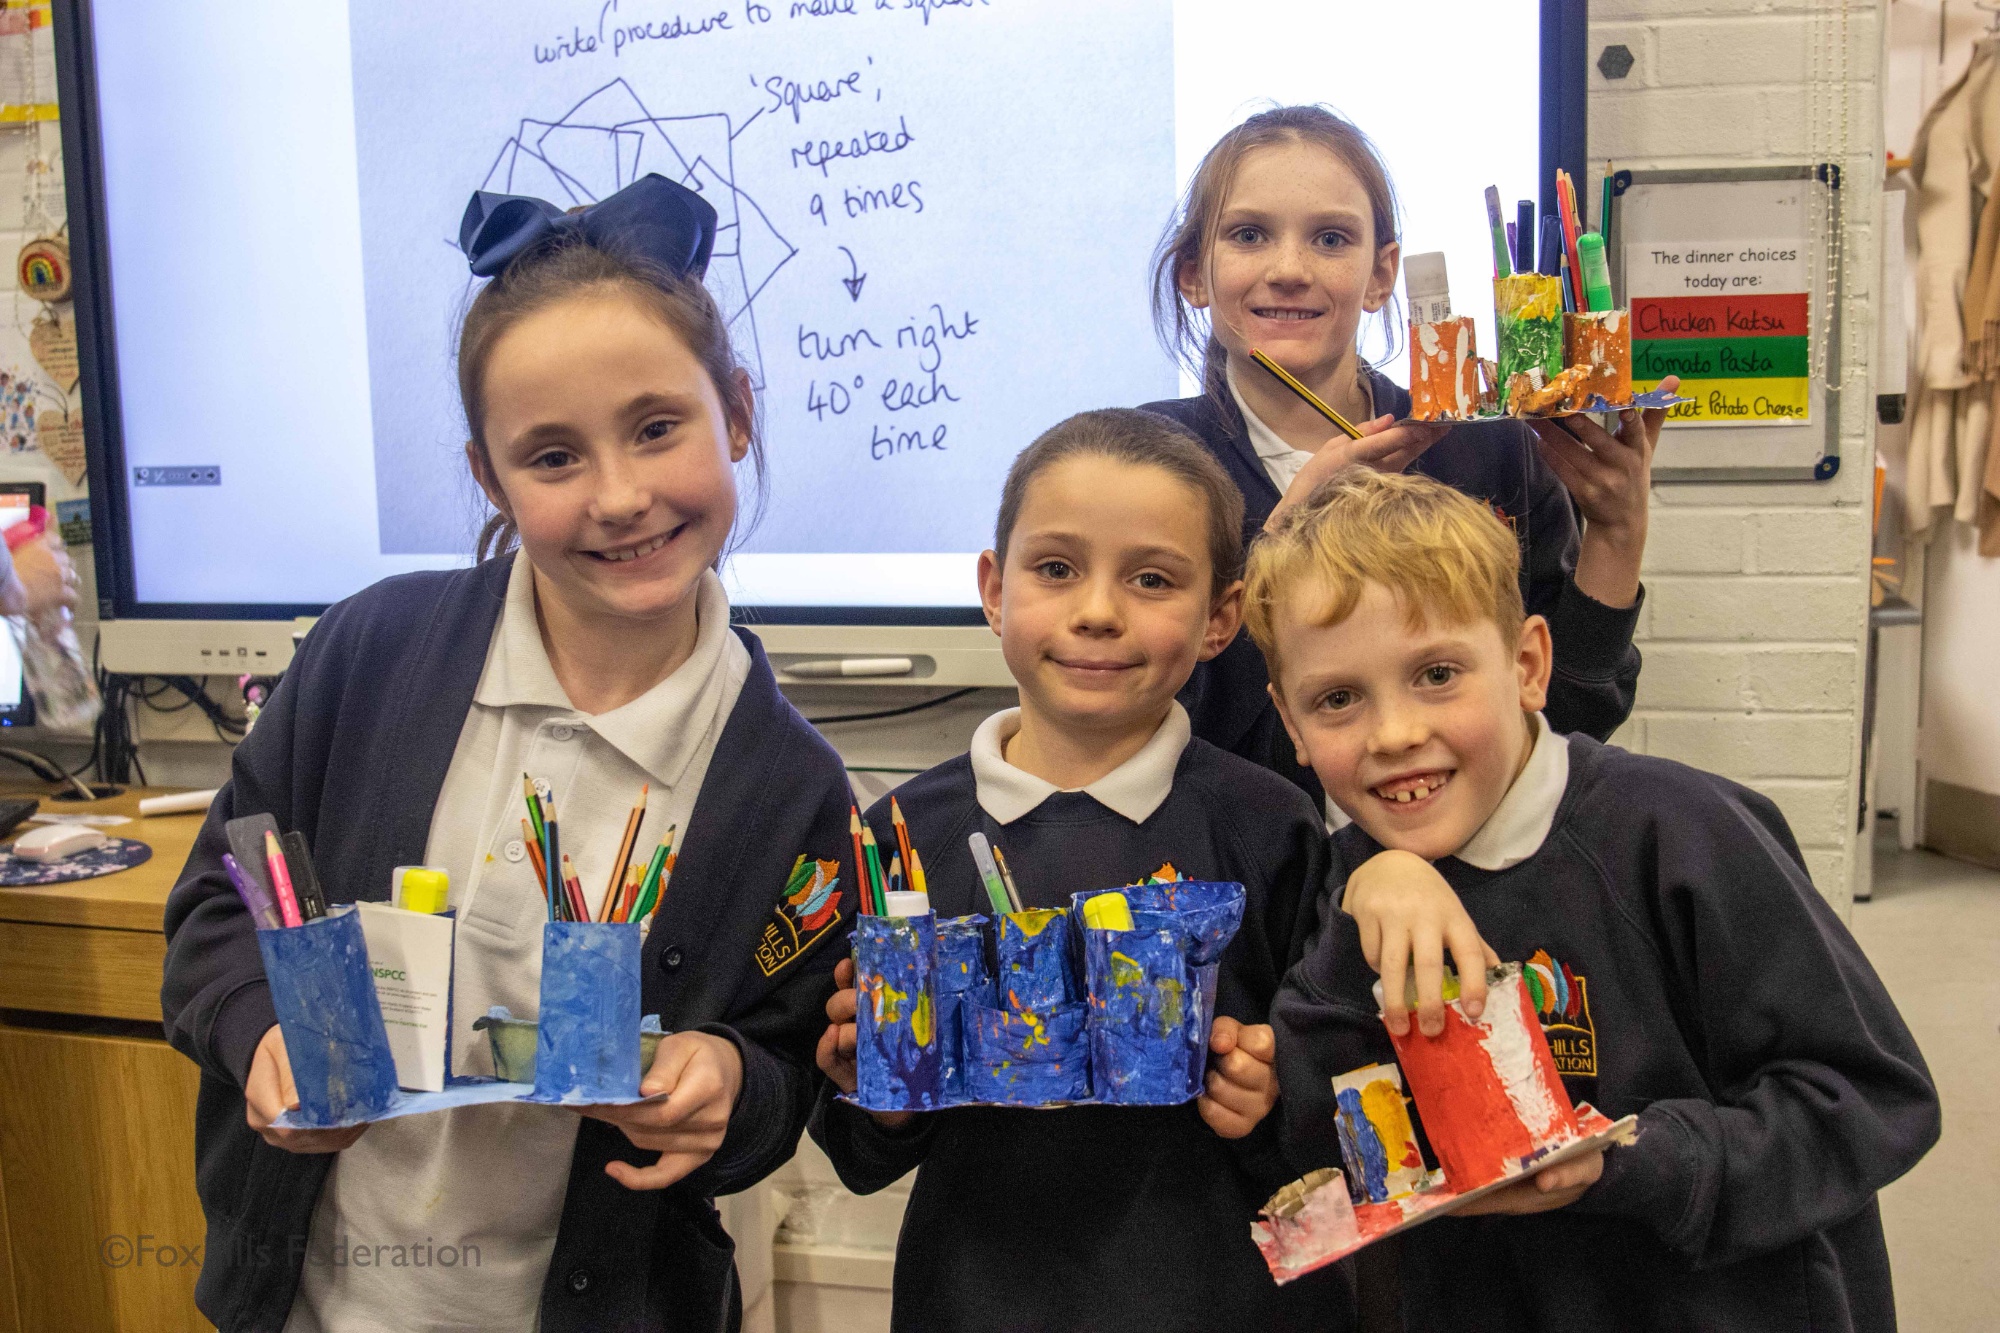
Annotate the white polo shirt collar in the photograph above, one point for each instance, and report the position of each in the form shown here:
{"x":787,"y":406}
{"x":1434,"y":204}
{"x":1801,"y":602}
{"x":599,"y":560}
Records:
{"x":1134,"y":789}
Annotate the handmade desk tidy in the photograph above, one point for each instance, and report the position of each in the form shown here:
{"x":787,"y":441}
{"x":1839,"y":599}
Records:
{"x":898,"y":1055}
{"x":963,"y":977}
{"x":1030,"y":1048}
{"x":1492,"y":1101}
{"x":1445,"y":370}
{"x":1564,"y":346}
{"x":332,"y":1021}
{"x":1152,"y":987}
{"x":1598,"y":343}
{"x":1493,"y":1111}
{"x":587,"y":1035}
{"x":1528,"y":313}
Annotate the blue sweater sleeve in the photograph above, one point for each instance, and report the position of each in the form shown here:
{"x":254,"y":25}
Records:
{"x":1819,"y":1096}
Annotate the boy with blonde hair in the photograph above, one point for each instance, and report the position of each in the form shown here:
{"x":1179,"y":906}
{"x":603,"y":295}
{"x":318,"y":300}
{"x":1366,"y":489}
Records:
{"x":1684,"y":968}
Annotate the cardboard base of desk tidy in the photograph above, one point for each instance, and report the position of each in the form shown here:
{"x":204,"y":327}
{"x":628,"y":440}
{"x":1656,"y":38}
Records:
{"x":1651,"y":399}
{"x":468,"y":1092}
{"x":1303,"y":1242}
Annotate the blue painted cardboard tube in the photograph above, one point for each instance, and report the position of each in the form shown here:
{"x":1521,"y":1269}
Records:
{"x":332,"y":1021}
{"x":897,"y":1052}
{"x":1140,"y":1012}
{"x":1027,"y":1058}
{"x":1035,"y":971}
{"x":587,"y":1037}
{"x":1208,"y":911}
{"x":962,"y":974}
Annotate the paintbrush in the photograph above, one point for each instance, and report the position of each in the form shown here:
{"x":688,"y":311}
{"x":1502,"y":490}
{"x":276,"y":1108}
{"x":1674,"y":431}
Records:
{"x":1007,"y":878}
{"x":1306,"y":395}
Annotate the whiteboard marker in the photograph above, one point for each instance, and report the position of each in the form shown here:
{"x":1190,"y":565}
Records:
{"x":824,"y":668}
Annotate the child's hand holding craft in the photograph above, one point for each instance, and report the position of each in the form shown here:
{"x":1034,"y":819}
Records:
{"x":702,"y":1074}
{"x":836,"y":1045}
{"x":1555,"y":1187}
{"x":1610,"y":476}
{"x":1242,"y":1084}
{"x":268,"y":1094}
{"x":1407,"y":915}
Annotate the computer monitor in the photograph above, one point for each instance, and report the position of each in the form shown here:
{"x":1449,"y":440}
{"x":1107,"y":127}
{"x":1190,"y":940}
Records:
{"x":17,"y":707}
{"x":937,"y":226}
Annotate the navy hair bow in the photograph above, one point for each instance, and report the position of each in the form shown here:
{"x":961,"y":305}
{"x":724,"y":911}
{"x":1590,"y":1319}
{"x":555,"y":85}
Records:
{"x":652,"y":219}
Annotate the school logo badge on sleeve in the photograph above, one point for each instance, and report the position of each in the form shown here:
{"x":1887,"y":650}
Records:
{"x":809,"y":909}
{"x":1562,"y":1001}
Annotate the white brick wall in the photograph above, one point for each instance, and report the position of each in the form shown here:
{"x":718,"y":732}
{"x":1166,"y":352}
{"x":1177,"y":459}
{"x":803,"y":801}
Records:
{"x":1755,"y":622}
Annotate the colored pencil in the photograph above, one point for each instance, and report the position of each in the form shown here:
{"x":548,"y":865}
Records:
{"x":534,"y":804}
{"x":902,"y":837}
{"x":876,"y":880}
{"x":649,"y":883}
{"x":1306,"y":395}
{"x":1604,"y":206}
{"x":865,"y":901}
{"x":896,"y":873}
{"x":281,"y":881}
{"x":660,"y":891}
{"x":1007,"y":878}
{"x":917,"y":880}
{"x":573,"y":888}
{"x":1566,"y":197}
{"x":552,"y":859}
{"x":534,"y":847}
{"x":615,"y":886}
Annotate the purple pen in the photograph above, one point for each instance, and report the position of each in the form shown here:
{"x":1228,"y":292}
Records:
{"x":263,"y":909}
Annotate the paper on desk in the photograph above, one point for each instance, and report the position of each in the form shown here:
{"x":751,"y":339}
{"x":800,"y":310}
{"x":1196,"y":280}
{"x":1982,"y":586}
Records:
{"x":95,"y":821}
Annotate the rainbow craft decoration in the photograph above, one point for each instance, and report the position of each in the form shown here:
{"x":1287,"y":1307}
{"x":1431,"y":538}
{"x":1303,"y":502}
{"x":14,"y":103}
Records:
{"x":1492,"y":1107}
{"x":1129,"y":1026}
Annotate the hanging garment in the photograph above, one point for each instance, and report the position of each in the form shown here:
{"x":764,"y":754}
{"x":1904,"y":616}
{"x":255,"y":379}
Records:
{"x":1946,"y":164}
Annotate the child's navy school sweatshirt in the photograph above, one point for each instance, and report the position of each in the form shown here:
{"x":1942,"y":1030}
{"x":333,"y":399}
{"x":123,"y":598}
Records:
{"x":1596,"y":666}
{"x":1099,"y":1217}
{"x":352,"y":751}
{"x":1693,"y":976}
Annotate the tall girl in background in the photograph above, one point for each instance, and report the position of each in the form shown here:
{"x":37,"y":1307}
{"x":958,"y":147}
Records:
{"x":1286,"y":238}
{"x":605,"y":415}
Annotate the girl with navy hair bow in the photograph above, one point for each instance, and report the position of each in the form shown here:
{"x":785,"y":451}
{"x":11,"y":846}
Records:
{"x":590,"y":646}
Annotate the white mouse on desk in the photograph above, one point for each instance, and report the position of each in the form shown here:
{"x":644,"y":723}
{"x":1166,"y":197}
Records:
{"x":53,"y":842}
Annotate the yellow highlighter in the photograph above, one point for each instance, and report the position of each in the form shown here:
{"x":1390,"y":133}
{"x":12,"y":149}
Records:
{"x":1107,"y":911}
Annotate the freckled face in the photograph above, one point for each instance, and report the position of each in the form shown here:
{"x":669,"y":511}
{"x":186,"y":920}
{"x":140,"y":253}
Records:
{"x":1295,"y":263}
{"x":1417,"y":733}
{"x":1104,"y":606}
{"x":611,"y":450}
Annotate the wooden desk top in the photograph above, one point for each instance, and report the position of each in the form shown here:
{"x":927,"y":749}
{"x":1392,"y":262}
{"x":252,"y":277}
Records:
{"x":132,"y":899}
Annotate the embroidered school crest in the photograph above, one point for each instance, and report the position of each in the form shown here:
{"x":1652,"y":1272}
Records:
{"x":809,"y":909}
{"x":1562,"y":1001}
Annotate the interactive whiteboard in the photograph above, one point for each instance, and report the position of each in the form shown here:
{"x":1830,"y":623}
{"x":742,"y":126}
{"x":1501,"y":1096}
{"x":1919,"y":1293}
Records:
{"x":937,"y":224}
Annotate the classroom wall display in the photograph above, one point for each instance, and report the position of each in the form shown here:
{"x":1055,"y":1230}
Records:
{"x":1727,"y":278}
{"x":937,"y":224}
